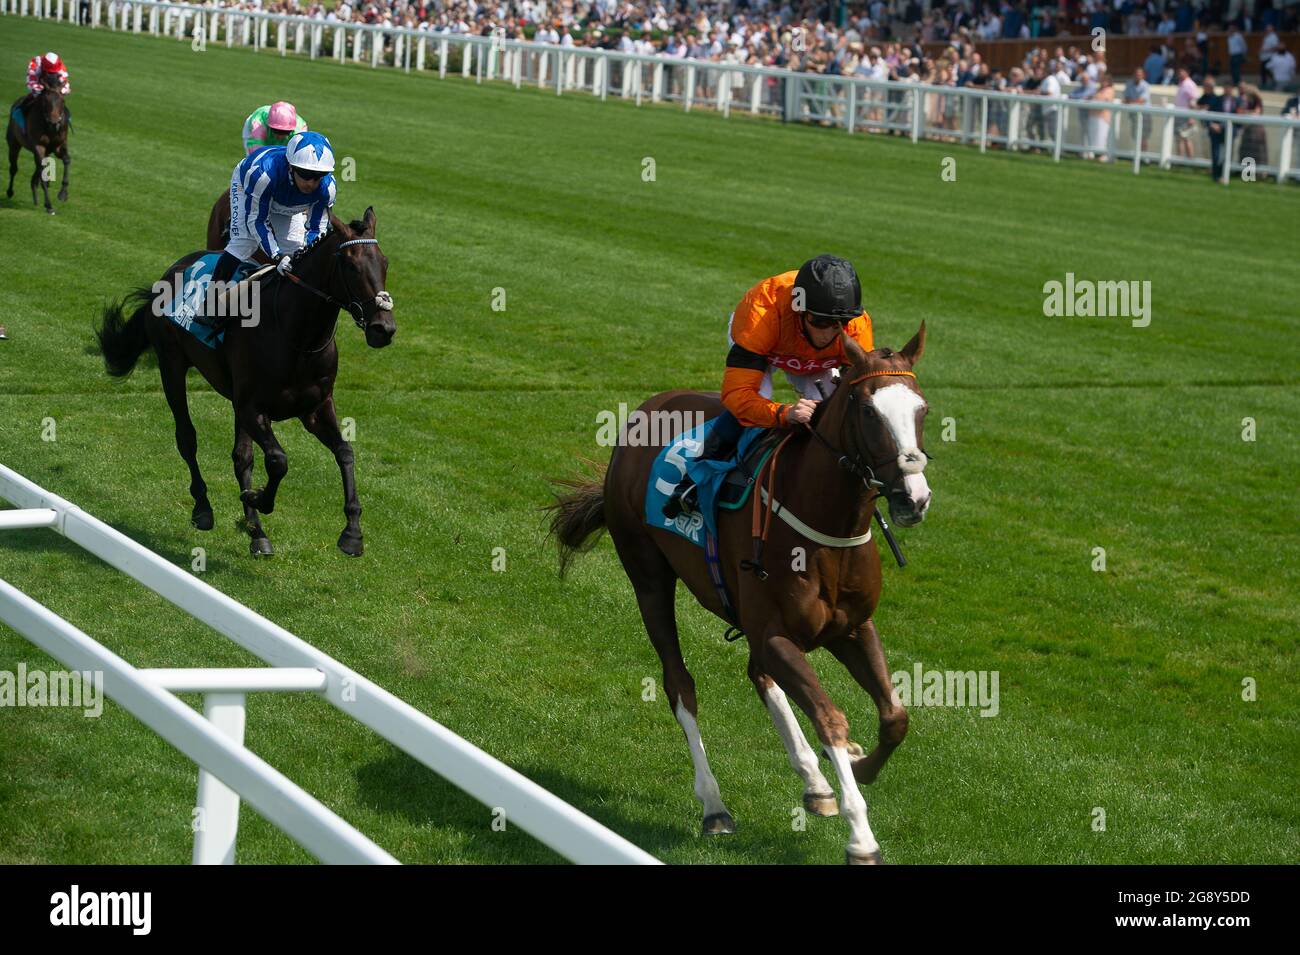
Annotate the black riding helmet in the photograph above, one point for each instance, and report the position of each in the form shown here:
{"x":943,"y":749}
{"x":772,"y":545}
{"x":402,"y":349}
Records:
{"x":830,"y":288}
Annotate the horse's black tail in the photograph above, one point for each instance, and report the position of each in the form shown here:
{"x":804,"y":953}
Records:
{"x":578,"y":517}
{"x":122,"y":340}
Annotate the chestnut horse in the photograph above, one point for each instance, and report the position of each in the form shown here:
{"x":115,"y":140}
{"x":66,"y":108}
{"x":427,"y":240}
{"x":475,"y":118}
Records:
{"x":46,"y":135}
{"x":822,"y":571}
{"x":282,"y":365}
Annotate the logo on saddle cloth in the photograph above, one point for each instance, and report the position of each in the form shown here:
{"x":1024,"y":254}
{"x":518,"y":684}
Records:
{"x":805,"y":366}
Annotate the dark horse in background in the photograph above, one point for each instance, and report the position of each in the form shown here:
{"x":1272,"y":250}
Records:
{"x":281,"y":367}
{"x":864,"y":441}
{"x":46,"y":134}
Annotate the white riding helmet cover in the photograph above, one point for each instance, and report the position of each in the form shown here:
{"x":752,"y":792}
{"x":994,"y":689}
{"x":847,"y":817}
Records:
{"x":311,"y":151}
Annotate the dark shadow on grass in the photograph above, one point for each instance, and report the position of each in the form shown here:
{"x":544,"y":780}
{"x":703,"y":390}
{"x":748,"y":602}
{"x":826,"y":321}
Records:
{"x":403,"y":786}
{"x":225,"y":552}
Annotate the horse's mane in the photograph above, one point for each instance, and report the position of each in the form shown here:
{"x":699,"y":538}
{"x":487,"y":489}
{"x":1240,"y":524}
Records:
{"x":356,"y":225}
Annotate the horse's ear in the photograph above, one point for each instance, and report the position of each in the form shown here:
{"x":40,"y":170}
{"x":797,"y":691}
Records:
{"x":853,"y":350}
{"x":338,"y":225}
{"x":913,"y":349}
{"x":368,"y":220}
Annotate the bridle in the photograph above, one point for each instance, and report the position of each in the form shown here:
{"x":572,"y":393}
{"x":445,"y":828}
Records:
{"x":849,"y":462}
{"x":854,"y":463}
{"x":354,"y":306}
{"x":58,"y":125}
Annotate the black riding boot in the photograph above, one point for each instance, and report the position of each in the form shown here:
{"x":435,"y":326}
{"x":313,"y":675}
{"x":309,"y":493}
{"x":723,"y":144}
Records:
{"x":718,"y":446}
{"x":224,"y":270}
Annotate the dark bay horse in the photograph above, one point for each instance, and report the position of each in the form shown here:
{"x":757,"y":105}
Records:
{"x":283,"y":366}
{"x":823,"y":582}
{"x":46,"y":118}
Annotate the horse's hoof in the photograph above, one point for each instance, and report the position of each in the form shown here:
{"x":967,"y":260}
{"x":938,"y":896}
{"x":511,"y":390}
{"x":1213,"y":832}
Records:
{"x":864,"y":858}
{"x":719,"y":824}
{"x":260,"y":547}
{"x":63,"y":197}
{"x":50,"y":210}
{"x":350,"y":545}
{"x":821,"y":804}
{"x":855,"y":751}
{"x":202,"y":520}
{"x":866,"y":769}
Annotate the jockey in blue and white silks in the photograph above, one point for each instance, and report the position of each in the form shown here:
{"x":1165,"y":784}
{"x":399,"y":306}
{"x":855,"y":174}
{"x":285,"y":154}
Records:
{"x":280,"y":201}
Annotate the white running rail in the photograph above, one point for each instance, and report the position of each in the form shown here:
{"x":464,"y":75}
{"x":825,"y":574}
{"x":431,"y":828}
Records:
{"x":1127,"y":135}
{"x":227,"y":770}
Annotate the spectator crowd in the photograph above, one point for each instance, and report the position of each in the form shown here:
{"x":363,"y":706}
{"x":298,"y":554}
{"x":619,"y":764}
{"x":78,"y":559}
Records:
{"x":884,"y":40}
{"x":799,"y":34}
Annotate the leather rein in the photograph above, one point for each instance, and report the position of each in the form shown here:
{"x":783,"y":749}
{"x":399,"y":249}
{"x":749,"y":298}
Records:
{"x":354,"y":306}
{"x":766,"y":500}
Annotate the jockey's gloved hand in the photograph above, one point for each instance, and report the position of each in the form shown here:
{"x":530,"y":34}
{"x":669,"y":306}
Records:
{"x":285,"y":265}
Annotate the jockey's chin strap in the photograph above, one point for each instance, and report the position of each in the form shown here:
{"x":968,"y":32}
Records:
{"x":354,"y":306}
{"x":766,"y":500}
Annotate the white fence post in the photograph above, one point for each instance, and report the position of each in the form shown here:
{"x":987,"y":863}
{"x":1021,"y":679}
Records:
{"x":217,"y":825}
{"x":1137,"y":145}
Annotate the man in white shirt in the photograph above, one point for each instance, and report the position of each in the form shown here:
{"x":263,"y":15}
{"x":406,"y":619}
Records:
{"x":1267,"y":47}
{"x":1138,"y":92}
{"x":1282,"y":65}
{"x":1049,"y":87}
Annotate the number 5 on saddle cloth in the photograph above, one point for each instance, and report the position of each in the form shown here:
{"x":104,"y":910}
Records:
{"x":724,"y":483}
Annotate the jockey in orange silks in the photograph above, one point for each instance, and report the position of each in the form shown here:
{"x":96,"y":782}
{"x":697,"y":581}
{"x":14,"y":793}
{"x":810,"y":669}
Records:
{"x":790,"y":321}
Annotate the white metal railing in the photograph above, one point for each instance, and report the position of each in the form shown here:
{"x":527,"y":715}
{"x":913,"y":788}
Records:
{"x":227,"y":770}
{"x":968,"y":115}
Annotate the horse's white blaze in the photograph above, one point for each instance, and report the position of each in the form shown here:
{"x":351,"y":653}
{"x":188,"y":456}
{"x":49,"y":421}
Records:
{"x":802,"y":756}
{"x":706,"y":786}
{"x":852,"y":805}
{"x":898,"y":405}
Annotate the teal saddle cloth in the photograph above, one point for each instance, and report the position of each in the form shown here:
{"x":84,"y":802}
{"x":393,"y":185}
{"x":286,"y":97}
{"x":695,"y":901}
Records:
{"x":713,"y":489}
{"x":186,"y":310}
